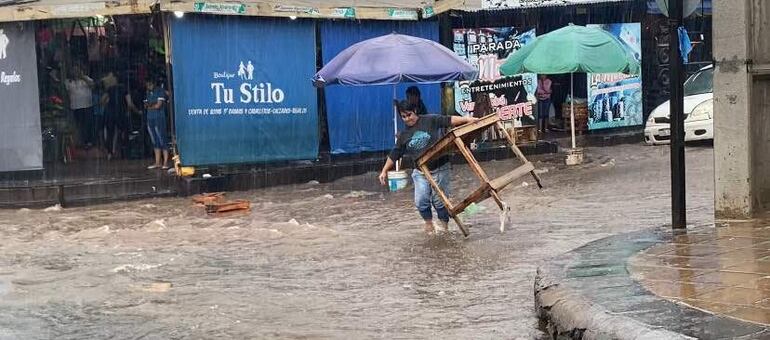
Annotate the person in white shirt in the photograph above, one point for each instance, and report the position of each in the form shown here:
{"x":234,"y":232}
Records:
{"x":79,"y":87}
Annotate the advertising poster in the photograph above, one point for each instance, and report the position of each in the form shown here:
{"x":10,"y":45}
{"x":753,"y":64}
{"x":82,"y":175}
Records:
{"x":242,"y":90}
{"x":615,"y":99}
{"x":511,"y":97}
{"x":21,"y":145}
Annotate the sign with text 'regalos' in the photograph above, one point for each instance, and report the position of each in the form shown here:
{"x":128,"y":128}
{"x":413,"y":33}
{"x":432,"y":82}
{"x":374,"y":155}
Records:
{"x":242,"y":90}
{"x":20,"y":139}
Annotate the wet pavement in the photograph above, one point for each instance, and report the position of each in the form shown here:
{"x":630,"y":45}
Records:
{"x":723,"y":270}
{"x":607,"y":290}
{"x":339,"y":260}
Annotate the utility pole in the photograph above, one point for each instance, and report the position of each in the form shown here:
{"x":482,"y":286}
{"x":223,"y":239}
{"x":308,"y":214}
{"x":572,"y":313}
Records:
{"x":678,"y":202}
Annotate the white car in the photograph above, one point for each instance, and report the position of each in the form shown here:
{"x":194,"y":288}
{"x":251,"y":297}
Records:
{"x":698,"y":110}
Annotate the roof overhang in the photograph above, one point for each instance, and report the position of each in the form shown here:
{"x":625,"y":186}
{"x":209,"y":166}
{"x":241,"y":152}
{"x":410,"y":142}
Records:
{"x":58,"y":9}
{"x":517,"y":4}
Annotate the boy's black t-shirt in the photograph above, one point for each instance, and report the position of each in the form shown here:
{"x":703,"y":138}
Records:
{"x":414,"y":140}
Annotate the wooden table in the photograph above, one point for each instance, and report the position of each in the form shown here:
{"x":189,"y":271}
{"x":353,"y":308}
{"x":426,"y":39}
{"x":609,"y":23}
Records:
{"x":458,"y":139}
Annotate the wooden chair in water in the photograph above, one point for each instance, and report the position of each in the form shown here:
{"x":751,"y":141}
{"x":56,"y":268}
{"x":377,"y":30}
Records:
{"x":459,"y":138}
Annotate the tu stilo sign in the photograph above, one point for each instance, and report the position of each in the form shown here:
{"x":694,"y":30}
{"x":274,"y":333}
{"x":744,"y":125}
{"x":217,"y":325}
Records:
{"x":510,"y":97}
{"x":615,"y":99}
{"x":242,"y":91}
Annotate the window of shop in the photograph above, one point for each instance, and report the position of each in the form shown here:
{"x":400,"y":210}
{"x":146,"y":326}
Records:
{"x":94,"y":76}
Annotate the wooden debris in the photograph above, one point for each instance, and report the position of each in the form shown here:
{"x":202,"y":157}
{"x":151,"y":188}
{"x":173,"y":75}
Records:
{"x":215,"y":203}
{"x":227,"y":206}
{"x":208,"y":198}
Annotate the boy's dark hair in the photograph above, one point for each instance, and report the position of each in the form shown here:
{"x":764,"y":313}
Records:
{"x":406,"y":106}
{"x":413,"y":90}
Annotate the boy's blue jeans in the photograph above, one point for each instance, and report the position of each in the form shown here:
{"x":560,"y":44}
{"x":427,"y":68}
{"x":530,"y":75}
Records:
{"x":425,"y":196}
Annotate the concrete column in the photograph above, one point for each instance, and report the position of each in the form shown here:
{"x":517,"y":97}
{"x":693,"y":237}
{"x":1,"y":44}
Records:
{"x":759,"y":73}
{"x":732,"y":110}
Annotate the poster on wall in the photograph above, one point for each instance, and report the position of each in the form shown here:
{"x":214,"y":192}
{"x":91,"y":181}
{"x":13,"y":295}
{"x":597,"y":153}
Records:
{"x":615,"y":99}
{"x":242,"y":91}
{"x":20,"y":136}
{"x":511,"y":97}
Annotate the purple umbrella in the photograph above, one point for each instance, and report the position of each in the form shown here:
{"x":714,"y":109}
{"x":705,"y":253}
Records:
{"x":392,"y":59}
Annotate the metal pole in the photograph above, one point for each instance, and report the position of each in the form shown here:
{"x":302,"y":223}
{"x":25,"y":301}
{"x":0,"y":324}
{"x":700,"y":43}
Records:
{"x":678,"y":205}
{"x":572,"y":108}
{"x":395,"y":126}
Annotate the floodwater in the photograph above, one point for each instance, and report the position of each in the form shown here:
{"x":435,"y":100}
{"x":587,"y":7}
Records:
{"x":339,"y":260}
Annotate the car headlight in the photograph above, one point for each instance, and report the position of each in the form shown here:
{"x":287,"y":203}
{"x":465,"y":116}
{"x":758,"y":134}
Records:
{"x":651,"y":119}
{"x":704,"y":111}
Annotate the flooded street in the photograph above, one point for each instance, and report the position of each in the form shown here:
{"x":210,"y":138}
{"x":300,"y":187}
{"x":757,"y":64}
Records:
{"x":339,"y":260}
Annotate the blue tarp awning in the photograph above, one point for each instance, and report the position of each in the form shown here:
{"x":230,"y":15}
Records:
{"x":360,"y":118}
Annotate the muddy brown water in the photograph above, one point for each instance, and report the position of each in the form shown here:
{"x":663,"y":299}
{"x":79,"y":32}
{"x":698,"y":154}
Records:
{"x":339,"y":260}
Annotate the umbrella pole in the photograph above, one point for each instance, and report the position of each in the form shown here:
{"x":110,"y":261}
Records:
{"x":395,"y":126}
{"x":572,"y":107}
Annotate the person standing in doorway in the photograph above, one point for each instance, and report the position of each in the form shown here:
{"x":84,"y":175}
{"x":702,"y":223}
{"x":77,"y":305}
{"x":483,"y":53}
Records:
{"x":413,"y":96}
{"x":155,"y":104}
{"x":422,"y":132}
{"x":118,"y":106}
{"x":79,"y":87}
{"x":543,"y":94}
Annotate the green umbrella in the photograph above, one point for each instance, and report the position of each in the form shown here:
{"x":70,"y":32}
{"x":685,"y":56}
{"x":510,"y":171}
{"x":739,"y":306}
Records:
{"x":572,"y":49}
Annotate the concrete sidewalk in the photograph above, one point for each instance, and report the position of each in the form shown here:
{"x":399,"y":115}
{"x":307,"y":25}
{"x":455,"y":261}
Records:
{"x":597,"y":138}
{"x":707,"y":283}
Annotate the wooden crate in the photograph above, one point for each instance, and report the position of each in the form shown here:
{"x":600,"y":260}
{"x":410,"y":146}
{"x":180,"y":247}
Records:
{"x":581,"y":116}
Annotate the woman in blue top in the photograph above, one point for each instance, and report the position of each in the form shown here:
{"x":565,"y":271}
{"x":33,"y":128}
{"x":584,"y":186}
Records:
{"x":155,"y":104}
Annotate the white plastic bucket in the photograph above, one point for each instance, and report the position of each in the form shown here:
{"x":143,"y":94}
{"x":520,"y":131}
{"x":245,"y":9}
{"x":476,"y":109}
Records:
{"x":397,"y":180}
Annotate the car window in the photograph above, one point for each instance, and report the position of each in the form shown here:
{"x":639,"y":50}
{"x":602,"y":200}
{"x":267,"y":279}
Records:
{"x":699,"y":83}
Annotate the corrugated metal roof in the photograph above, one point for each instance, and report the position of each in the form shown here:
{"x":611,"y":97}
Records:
{"x":18,"y":10}
{"x":362,"y":9}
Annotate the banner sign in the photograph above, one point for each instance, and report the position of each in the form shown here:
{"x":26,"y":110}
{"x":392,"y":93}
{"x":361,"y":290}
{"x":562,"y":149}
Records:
{"x":511,"y":97}
{"x":404,"y":14}
{"x":219,"y":8}
{"x":81,"y":8}
{"x":501,"y":4}
{"x":344,"y":12}
{"x":21,"y":146}
{"x":615,"y":99}
{"x":242,"y":91}
{"x":296,"y":9}
{"x":428,"y":12}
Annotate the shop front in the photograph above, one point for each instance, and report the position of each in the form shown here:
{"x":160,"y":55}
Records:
{"x":501,"y":27}
{"x":74,"y":81}
{"x":94,"y":74}
{"x":242,"y":89}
